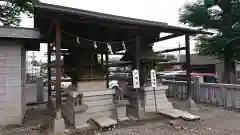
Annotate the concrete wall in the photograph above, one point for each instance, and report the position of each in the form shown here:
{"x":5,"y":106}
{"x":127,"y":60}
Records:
{"x":196,"y":59}
{"x":12,"y":83}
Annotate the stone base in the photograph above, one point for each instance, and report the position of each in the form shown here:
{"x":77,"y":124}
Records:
{"x":123,"y":119}
{"x":58,"y":125}
{"x":104,"y":121}
{"x":133,"y":112}
{"x":121,"y":109}
{"x":84,"y":105}
{"x":121,"y":102}
{"x":191,"y":105}
{"x":83,"y":126}
{"x":80,"y":118}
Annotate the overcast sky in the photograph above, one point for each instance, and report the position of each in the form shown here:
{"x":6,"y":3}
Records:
{"x":155,"y":10}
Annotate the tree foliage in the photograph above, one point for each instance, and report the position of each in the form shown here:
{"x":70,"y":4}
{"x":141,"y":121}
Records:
{"x":10,"y":11}
{"x":222,"y":17}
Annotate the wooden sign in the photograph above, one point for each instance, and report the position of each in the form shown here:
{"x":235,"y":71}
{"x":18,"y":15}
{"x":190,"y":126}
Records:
{"x":136,"y":82}
{"x":153,"y":78}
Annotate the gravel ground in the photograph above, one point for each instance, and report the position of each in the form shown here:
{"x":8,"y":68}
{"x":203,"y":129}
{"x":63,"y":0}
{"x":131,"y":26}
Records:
{"x":214,"y":121}
{"x":37,"y":121}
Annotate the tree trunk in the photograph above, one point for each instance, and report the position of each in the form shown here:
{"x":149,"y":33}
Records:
{"x":229,"y":71}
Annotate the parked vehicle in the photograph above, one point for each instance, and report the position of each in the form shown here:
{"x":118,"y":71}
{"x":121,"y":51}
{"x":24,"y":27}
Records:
{"x":181,"y":76}
{"x":45,"y":80}
{"x":64,"y":84}
{"x":207,"y":77}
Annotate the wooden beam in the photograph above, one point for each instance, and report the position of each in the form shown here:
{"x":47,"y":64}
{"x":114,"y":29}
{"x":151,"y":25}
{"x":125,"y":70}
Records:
{"x":107,"y":70}
{"x":58,"y":66}
{"x":167,"y":37}
{"x":102,"y":61}
{"x":113,"y":24}
{"x":49,"y":74}
{"x":49,"y":30}
{"x":138,"y":67}
{"x":62,"y":51}
{"x":188,"y":66}
{"x":120,"y":64}
{"x":172,"y":63}
{"x":172,"y":50}
{"x":119,"y":53}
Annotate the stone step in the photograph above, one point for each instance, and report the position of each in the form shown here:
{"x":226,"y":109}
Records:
{"x":104,"y":121}
{"x":186,"y":115}
{"x":99,"y":103}
{"x":100,"y":108}
{"x":97,"y":98}
{"x":169,"y":112}
{"x":175,"y":113}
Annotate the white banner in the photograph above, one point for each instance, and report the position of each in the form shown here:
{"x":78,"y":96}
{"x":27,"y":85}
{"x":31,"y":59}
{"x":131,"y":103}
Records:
{"x":136,"y":82}
{"x":153,"y":78}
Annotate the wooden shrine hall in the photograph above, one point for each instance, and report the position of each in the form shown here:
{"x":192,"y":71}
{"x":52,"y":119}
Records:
{"x":88,"y":35}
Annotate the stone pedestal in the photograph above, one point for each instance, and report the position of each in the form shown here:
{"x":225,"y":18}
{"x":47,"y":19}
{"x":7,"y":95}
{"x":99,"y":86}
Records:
{"x":160,"y":97}
{"x":121,"y":110}
{"x":58,"y":126}
{"x":191,"y":105}
{"x":58,"y":123}
{"x":82,"y":105}
{"x":147,"y":102}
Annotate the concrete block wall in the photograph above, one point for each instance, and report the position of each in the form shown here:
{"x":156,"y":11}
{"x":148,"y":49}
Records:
{"x":12,"y":83}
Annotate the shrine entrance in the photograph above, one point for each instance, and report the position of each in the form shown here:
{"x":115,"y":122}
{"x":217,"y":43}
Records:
{"x":89,"y":38}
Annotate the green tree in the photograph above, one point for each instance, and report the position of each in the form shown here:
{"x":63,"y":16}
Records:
{"x":10,"y":11}
{"x":222,"y":17}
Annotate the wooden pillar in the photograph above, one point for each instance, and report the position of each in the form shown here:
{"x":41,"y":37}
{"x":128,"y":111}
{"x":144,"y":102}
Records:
{"x":49,"y":74}
{"x":102,"y":60}
{"x":58,"y":66}
{"x":138,"y":67}
{"x":188,"y":66}
{"x":107,"y":71}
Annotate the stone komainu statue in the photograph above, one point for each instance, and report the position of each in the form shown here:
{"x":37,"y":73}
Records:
{"x":119,"y":93}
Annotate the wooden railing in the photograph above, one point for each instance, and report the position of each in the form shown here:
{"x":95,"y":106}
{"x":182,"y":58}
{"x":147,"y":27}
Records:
{"x":225,"y":95}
